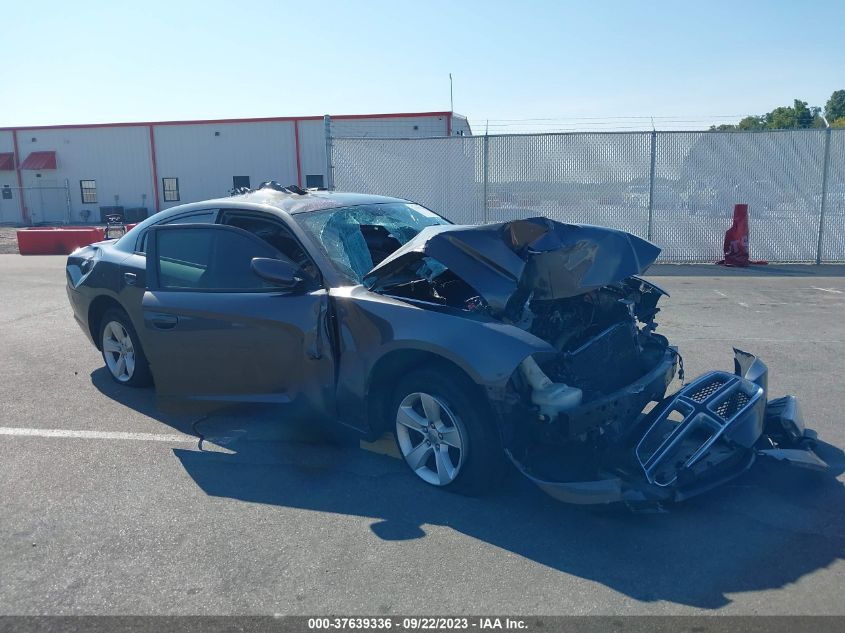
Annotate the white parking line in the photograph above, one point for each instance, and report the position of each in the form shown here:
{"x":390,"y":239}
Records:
{"x":833,"y":290}
{"x":97,"y":435}
{"x":720,"y":293}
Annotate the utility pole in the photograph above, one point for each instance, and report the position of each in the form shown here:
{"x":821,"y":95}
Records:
{"x":451,"y":95}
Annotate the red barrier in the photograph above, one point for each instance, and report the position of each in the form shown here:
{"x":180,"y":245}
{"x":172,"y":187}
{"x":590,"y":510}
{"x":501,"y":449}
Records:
{"x":737,"y":240}
{"x":56,"y":240}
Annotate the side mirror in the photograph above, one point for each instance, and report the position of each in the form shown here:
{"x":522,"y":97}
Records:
{"x":281,"y":273}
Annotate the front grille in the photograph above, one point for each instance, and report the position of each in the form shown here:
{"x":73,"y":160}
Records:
{"x":709,"y":406}
{"x":731,"y":405}
{"x":705,"y":391}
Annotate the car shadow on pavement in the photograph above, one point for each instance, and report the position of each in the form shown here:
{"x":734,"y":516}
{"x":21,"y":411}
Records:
{"x":763,"y":531}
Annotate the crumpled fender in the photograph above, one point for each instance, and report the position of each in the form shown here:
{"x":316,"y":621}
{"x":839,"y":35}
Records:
{"x":371,"y":326}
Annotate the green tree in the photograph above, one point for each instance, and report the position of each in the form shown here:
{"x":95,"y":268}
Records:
{"x":835,"y":107}
{"x":797,"y":116}
{"x":838,"y":123}
{"x":752,"y":123}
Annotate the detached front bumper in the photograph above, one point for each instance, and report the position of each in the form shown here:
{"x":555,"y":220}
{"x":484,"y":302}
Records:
{"x":694,"y":440}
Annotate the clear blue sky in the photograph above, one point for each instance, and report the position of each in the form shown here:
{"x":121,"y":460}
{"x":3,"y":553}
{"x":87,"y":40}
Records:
{"x":83,"y":62}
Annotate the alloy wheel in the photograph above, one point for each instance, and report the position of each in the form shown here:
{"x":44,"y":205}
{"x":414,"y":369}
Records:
{"x":431,"y":438}
{"x":118,"y":351}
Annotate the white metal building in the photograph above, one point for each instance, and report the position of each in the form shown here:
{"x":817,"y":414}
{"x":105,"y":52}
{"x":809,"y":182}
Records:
{"x":66,"y":173}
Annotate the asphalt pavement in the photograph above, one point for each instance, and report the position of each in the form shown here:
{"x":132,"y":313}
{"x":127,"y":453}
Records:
{"x":108,"y":506}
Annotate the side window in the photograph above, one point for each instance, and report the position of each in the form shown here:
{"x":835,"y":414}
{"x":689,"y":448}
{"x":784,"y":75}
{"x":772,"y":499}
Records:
{"x":276,"y":235}
{"x":208,"y":216}
{"x":199,"y":258}
{"x":203,"y":217}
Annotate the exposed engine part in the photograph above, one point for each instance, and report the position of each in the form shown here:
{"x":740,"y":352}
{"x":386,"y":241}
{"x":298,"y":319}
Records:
{"x":552,"y":398}
{"x":587,"y":330}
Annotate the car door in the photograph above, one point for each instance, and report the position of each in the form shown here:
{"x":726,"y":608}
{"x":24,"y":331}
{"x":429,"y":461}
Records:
{"x":133,"y":269}
{"x":213,"y":330}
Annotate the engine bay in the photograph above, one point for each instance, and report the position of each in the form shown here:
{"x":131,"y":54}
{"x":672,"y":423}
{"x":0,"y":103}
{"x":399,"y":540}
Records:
{"x":605,"y":337}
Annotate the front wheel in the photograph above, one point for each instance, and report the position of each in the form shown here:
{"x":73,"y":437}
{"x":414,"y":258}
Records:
{"x":445,"y":433}
{"x":122,"y":351}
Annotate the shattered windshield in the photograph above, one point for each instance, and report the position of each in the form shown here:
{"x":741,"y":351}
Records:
{"x":357,"y":238}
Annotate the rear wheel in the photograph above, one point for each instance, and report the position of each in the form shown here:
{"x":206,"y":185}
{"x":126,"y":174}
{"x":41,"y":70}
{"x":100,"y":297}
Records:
{"x":122,"y":351}
{"x":445,"y":433}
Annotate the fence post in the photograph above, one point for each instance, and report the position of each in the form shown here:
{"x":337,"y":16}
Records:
{"x":327,"y":125}
{"x":486,"y":170}
{"x":651,"y":183}
{"x":825,"y":171}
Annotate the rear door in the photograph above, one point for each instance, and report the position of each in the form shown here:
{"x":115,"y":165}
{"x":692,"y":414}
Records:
{"x":214,"y":331}
{"x":133,"y":269}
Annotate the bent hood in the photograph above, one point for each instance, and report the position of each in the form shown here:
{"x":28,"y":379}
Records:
{"x":507,"y":262}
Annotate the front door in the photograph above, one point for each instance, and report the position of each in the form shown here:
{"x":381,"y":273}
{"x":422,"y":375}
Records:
{"x":215,"y":331}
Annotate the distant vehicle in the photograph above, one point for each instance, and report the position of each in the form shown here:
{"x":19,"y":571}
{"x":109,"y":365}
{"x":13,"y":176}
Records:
{"x":665,"y":197}
{"x":529,"y":340}
{"x":637,"y":196}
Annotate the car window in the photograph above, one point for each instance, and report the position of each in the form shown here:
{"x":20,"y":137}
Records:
{"x":357,"y":238}
{"x":275,"y":233}
{"x":208,"y":216}
{"x":199,"y":258}
{"x":202,"y":217}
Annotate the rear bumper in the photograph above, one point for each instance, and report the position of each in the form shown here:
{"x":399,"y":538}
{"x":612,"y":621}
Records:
{"x":702,"y":436}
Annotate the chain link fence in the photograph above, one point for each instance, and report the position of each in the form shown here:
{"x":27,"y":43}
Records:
{"x":675,"y":188}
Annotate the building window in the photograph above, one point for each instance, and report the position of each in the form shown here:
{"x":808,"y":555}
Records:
{"x":89,"y":191}
{"x":240,"y":182}
{"x":171,"y":189}
{"x":314,"y":180}
{"x":7,"y":192}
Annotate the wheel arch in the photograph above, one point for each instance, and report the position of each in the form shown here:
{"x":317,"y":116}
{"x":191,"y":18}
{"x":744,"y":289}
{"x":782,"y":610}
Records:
{"x":392,"y":367}
{"x":96,"y":310}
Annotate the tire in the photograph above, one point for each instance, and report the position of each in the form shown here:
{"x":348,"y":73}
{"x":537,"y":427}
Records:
{"x":464,"y":452}
{"x":122,"y":353}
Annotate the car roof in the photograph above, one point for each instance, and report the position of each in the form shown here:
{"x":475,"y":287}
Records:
{"x":311,"y":200}
{"x":261,"y":198}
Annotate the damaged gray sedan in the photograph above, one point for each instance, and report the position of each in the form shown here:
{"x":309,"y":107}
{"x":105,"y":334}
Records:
{"x":529,"y":341}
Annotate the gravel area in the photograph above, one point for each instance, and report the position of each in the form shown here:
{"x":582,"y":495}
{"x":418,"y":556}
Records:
{"x":8,"y":241}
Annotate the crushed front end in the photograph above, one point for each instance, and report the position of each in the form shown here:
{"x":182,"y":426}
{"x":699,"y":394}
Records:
{"x":589,"y":420}
{"x":631,"y":443}
{"x":592,"y":422}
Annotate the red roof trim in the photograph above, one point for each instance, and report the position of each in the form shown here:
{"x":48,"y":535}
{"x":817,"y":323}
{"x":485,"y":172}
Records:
{"x":7,"y":161}
{"x":340,"y":117}
{"x":40,"y":160}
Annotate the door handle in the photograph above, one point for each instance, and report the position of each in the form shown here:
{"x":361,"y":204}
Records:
{"x":130,"y":278}
{"x":164,"y":321}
